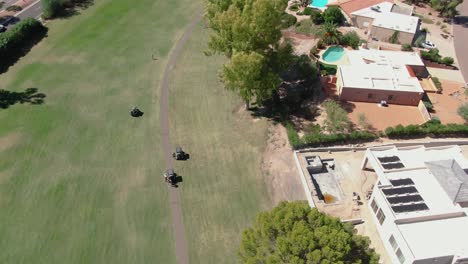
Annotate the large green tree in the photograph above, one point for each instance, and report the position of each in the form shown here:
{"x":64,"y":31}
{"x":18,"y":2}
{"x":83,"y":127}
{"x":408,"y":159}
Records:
{"x":330,"y":34}
{"x":250,"y":29}
{"x":249,"y":75}
{"x":447,"y":8}
{"x":294,"y":233}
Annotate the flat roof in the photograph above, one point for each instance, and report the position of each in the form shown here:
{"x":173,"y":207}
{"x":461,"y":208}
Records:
{"x":440,"y":230}
{"x":381,"y":70}
{"x":437,"y":238}
{"x":385,"y":18}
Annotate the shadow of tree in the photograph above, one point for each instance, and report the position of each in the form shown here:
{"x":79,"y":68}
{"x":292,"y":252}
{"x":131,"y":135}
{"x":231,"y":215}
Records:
{"x":30,"y":95}
{"x":74,"y":7}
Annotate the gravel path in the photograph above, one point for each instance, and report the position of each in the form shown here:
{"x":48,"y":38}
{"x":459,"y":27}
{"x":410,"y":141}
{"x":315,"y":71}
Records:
{"x":176,"y":209}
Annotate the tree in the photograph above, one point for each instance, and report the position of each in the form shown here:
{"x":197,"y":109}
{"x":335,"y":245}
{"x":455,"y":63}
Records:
{"x":394,"y":37}
{"x":463,"y":111}
{"x":333,"y":15}
{"x":329,"y":33}
{"x":337,"y":119}
{"x":295,"y":233}
{"x":317,"y":17}
{"x":250,"y":76}
{"x":446,"y":8}
{"x":351,"y":39}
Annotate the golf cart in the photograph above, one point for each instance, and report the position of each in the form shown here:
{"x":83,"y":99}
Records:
{"x":179,"y":154}
{"x":135,"y":112}
{"x":170,"y":177}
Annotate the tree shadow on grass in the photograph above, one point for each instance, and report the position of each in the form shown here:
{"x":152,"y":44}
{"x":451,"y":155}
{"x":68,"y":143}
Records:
{"x":30,"y":96}
{"x":75,"y":7}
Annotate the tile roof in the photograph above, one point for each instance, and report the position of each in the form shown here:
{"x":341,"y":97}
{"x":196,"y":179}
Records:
{"x":355,"y":5}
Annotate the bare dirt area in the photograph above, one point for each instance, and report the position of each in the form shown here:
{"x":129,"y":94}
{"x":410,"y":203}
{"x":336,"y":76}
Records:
{"x":446,"y":104}
{"x":278,"y":166}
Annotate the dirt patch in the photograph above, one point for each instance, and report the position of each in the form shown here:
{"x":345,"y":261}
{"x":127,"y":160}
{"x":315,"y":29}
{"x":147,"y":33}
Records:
{"x":281,"y":175}
{"x":446,"y":104}
{"x":9,"y":140}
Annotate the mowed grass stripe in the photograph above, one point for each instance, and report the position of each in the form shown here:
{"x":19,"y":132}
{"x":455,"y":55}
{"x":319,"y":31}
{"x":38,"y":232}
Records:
{"x":222,"y":186}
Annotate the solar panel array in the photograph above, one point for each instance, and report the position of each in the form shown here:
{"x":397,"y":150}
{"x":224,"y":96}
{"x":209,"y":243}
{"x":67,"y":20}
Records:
{"x":404,"y":197}
{"x":391,"y":162}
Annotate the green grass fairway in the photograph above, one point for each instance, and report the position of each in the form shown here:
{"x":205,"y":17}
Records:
{"x":80,"y":181}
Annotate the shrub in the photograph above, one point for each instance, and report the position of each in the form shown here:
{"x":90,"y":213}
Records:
{"x":320,"y":44}
{"x":15,"y":42}
{"x":52,"y":8}
{"x":294,"y":139}
{"x":333,"y":15}
{"x":419,"y":41}
{"x":337,"y":118}
{"x":2,"y":3}
{"x":363,"y":122}
{"x":447,"y":60}
{"x":308,"y":11}
{"x":294,"y":7}
{"x":394,"y":37}
{"x":306,"y":27}
{"x":351,"y":39}
{"x":431,"y":55}
{"x":463,"y":111}
{"x":314,"y":51}
{"x":437,"y":83}
{"x":438,"y":23}
{"x":14,"y":8}
{"x":327,"y":69}
{"x":316,"y":17}
{"x":406,"y":47}
{"x":428,"y":105}
{"x":287,"y":20}
{"x":430,"y":128}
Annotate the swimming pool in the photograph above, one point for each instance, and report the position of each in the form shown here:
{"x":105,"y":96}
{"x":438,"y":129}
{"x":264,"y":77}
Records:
{"x":333,"y":54}
{"x":319,"y":3}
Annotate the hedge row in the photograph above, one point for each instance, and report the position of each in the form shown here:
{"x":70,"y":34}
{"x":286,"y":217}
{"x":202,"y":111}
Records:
{"x":15,"y":42}
{"x":315,"y":139}
{"x":432,"y":128}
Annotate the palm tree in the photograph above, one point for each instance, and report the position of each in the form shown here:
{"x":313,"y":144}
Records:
{"x":329,"y":33}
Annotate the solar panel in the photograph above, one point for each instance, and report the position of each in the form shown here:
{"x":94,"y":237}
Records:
{"x":401,"y":182}
{"x":392,"y":166}
{"x":389,"y":159}
{"x":410,"y":208}
{"x":402,"y":190}
{"x":405,"y":199}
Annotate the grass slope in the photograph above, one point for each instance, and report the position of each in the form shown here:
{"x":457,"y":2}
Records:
{"x":80,"y":181}
{"x":223,"y":187}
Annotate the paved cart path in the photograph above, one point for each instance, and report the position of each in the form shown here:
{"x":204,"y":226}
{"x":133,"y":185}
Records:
{"x":176,"y":209}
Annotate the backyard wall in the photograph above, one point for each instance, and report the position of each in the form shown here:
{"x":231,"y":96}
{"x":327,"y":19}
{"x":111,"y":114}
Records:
{"x":383,"y":34}
{"x":376,"y":96}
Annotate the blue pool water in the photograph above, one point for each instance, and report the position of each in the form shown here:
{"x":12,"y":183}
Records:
{"x":333,"y":54}
{"x":319,"y":3}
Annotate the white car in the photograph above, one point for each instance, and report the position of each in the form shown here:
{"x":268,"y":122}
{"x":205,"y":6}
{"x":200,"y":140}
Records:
{"x":2,"y":28}
{"x":428,"y":45}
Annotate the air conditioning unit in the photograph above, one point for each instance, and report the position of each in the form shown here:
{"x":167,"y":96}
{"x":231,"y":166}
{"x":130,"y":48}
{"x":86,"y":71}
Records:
{"x":375,"y":8}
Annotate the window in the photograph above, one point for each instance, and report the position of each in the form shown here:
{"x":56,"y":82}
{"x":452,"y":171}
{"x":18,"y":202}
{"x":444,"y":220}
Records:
{"x":400,"y":256}
{"x":393,"y":242}
{"x":380,"y":216}
{"x":369,"y":96}
{"x":374,"y":206}
{"x":390,"y":97}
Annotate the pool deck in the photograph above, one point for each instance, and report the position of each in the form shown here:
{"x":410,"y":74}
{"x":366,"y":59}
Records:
{"x":342,"y":61}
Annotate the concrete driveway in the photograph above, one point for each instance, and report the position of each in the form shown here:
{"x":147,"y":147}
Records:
{"x":460,"y":33}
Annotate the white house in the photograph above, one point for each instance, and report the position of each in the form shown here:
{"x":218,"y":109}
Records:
{"x":420,"y":203}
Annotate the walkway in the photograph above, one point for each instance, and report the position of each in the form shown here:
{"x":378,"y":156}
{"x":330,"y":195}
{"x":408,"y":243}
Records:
{"x":176,"y":210}
{"x":460,"y":33}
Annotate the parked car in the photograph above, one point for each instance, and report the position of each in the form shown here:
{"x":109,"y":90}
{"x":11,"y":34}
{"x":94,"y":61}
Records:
{"x":2,"y":28}
{"x":428,"y":45}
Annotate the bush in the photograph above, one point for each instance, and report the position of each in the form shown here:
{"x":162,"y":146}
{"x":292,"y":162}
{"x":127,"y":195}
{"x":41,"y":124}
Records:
{"x":419,"y":41}
{"x":337,"y":119}
{"x":294,"y":7}
{"x":327,"y":68}
{"x":430,"y":128}
{"x":316,"y":17}
{"x":15,"y":42}
{"x":447,"y":60}
{"x":431,"y":55}
{"x":314,"y":51}
{"x":306,"y":27}
{"x":320,"y":44}
{"x":52,"y":8}
{"x":14,"y":8}
{"x":308,"y":11}
{"x":287,"y":20}
{"x":463,"y":111}
{"x":437,"y":83}
{"x":294,"y":139}
{"x":406,"y":47}
{"x":317,"y":139}
{"x":351,"y":39}
{"x":333,"y":15}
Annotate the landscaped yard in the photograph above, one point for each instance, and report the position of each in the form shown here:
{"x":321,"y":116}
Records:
{"x":80,"y":180}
